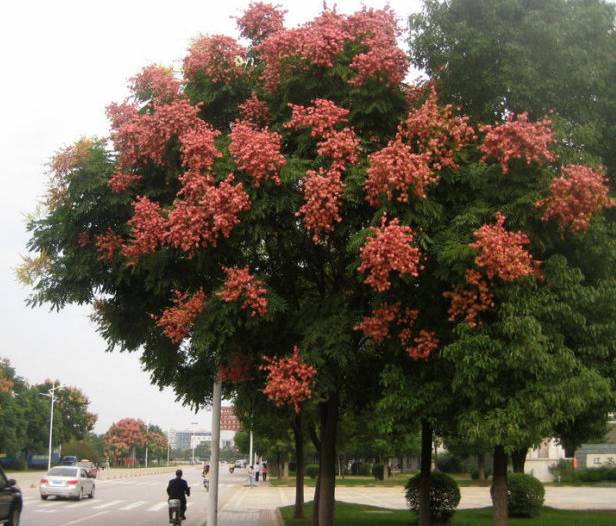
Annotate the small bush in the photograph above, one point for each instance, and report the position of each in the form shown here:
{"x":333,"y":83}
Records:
{"x":563,"y":471}
{"x":377,"y":471}
{"x":525,"y":495}
{"x":312,"y":470}
{"x":444,"y":496}
{"x":361,"y":469}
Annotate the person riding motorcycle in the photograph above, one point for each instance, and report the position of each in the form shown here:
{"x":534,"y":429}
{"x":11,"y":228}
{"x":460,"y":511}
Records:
{"x":179,"y":489}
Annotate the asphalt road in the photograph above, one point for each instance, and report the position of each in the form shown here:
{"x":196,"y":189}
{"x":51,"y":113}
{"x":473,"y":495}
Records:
{"x":125,"y":502}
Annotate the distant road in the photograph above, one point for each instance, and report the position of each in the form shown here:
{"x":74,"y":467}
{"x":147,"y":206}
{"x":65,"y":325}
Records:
{"x":125,"y":502}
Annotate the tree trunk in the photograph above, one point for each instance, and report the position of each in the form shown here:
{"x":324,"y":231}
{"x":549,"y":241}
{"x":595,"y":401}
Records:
{"x":315,"y":503}
{"x":327,"y":464}
{"x":285,"y":469}
{"x":425,"y":517}
{"x":499,"y":487}
{"x":518,"y":459}
{"x":298,"y":511}
{"x":385,"y":468}
{"x":481,"y":465}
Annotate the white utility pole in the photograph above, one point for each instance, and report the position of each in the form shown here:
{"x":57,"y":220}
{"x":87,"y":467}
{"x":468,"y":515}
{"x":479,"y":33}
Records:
{"x":51,"y":394}
{"x":250,"y":460}
{"x":212,"y":509}
{"x":192,"y":442}
{"x":147,"y":439}
{"x":168,"y":444}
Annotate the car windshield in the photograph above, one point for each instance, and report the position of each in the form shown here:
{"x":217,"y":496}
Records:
{"x":62,"y":472}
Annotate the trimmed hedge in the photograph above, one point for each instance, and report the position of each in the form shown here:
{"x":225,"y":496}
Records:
{"x":525,"y":495}
{"x":444,"y":496}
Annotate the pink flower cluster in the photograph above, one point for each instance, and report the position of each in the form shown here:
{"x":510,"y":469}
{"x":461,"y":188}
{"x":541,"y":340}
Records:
{"x":148,"y":226}
{"x":290,"y":380}
{"x":469,"y":303}
{"x":108,"y":244}
{"x":260,"y":20}
{"x":120,"y":181}
{"x":256,"y":152}
{"x":376,"y":326}
{"x":322,"y":117}
{"x":323,"y":189}
{"x":177,"y":320}
{"x":70,"y":158}
{"x":425,"y":344}
{"x":240,"y":284}
{"x":517,"y":139}
{"x":377,"y":30}
{"x":502,"y":253}
{"x":155,"y":83}
{"x":389,"y":249}
{"x":218,"y":57}
{"x":319,"y":42}
{"x":198,"y":147}
{"x":145,"y":136}
{"x":197,"y":221}
{"x":578,"y":194}
{"x":255,"y":111}
{"x":322,"y":195}
{"x":396,"y":168}
{"x":434,"y":129}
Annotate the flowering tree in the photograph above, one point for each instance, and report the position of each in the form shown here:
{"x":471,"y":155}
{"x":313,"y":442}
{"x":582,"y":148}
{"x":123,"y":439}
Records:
{"x":124,"y":437}
{"x":295,"y":199}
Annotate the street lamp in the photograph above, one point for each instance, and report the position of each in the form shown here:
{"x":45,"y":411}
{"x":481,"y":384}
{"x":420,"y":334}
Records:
{"x":147,"y":439}
{"x":192,"y":442}
{"x":51,"y":394}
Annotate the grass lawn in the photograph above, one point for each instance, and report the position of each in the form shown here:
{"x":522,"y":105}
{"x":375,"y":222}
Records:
{"x":358,"y":515}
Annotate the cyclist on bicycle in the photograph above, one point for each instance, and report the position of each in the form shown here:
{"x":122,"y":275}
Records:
{"x":178,"y":489}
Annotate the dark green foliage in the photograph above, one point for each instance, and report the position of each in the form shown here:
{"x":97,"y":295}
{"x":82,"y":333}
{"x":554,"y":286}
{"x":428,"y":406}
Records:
{"x":312,"y":471}
{"x":564,"y":472}
{"x":448,"y":463}
{"x":444,"y":496}
{"x":525,"y":495}
{"x":361,"y":469}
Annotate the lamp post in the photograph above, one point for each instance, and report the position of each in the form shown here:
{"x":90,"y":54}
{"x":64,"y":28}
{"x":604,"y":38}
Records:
{"x":52,"y":395}
{"x":212,"y":510}
{"x":168,"y":444}
{"x":192,"y":442}
{"x":147,"y":439}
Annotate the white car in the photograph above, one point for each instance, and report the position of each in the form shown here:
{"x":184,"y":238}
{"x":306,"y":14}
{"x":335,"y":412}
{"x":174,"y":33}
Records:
{"x":67,"y":481}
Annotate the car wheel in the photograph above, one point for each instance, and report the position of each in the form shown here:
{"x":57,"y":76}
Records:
{"x":14,"y":519}
{"x":79,"y":495}
{"x":91,"y":493}
{"x":44,"y":497}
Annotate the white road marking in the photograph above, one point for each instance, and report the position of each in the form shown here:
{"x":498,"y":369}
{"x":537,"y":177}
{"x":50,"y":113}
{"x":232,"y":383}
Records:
{"x":134,"y":505}
{"x":86,"y":518}
{"x":108,"y":504}
{"x":159,"y":506}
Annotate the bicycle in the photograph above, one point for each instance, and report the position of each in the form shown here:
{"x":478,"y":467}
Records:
{"x":175,"y":512}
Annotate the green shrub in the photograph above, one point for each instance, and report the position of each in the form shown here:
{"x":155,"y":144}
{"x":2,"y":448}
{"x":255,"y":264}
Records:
{"x":361,"y":469}
{"x":563,"y":471}
{"x":444,"y":496}
{"x":312,"y":470}
{"x":377,"y":471}
{"x":525,"y":495}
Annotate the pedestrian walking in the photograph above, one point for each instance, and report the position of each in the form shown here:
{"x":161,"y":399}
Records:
{"x":257,"y":472}
{"x":264,"y":471}
{"x":251,"y":476}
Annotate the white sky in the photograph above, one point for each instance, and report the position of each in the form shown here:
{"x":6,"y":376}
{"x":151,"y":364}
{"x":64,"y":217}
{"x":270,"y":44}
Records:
{"x":62,"y":63}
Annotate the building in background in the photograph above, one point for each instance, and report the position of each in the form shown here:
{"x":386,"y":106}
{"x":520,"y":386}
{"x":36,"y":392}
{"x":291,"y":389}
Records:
{"x":229,"y":425}
{"x":189,"y":438}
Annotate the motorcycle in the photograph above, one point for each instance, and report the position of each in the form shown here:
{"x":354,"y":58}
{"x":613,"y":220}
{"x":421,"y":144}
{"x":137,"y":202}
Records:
{"x":175,"y":512}
{"x":206,"y":484}
{"x":231,"y":469}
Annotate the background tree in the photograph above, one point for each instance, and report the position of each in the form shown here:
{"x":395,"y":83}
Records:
{"x":491,"y":57}
{"x":124,"y":437}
